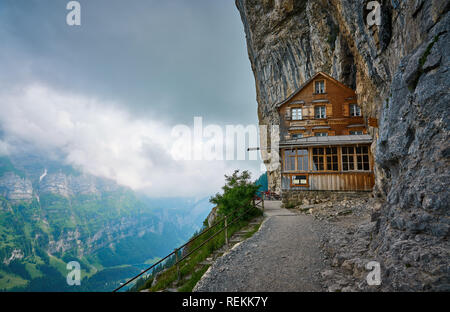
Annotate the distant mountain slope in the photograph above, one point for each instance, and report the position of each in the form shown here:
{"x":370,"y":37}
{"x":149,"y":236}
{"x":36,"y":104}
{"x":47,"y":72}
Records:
{"x":51,"y":214}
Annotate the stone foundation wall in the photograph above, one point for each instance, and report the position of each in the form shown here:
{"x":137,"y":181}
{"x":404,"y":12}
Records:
{"x":292,"y":198}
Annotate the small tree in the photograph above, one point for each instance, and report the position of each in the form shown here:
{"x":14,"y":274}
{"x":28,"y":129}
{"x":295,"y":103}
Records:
{"x":237,"y":196}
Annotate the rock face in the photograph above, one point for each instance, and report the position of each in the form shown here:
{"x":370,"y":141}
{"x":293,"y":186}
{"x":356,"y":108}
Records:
{"x":15,"y":188}
{"x":69,"y":185}
{"x":15,"y":254}
{"x":399,"y":70}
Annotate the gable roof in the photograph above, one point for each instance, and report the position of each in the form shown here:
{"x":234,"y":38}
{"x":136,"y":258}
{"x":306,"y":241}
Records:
{"x":306,"y":83}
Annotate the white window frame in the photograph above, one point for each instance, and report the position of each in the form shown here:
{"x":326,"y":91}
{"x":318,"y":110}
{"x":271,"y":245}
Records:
{"x":296,"y":114}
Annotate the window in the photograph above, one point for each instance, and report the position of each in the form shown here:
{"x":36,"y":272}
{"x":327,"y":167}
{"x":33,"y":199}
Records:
{"x":347,"y":158}
{"x":362,"y":157}
{"x":321,"y":133}
{"x":302,"y":160}
{"x":300,"y":180}
{"x":297,"y":135}
{"x":296,"y":113}
{"x":296,"y":160}
{"x":289,"y":160}
{"x":325,"y":159}
{"x":320,"y":112}
{"x":355,"y":158}
{"x":355,"y":110}
{"x":318,"y":159}
{"x":356,"y":132}
{"x":332,"y":158}
{"x":320,"y":86}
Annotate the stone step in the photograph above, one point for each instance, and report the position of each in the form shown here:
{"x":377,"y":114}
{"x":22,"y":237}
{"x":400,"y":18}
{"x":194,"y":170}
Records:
{"x":245,"y":231}
{"x":187,"y":277}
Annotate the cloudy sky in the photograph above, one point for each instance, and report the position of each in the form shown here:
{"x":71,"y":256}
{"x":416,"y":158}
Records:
{"x":108,"y":94}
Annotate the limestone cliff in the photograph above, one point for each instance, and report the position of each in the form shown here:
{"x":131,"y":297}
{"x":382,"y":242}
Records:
{"x":399,"y":70}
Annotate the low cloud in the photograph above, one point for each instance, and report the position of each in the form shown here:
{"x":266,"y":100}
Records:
{"x":101,"y":139}
{"x":4,"y":148}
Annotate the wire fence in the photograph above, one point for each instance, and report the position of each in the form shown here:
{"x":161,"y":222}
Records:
{"x":257,"y":202}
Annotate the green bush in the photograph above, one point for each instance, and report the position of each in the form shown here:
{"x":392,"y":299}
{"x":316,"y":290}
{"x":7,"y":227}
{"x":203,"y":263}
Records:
{"x":237,"y":196}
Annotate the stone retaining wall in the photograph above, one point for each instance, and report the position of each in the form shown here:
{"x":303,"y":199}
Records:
{"x":292,"y":198}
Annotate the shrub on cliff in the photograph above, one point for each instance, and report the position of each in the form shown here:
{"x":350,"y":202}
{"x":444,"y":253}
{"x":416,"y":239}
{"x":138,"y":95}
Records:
{"x":237,"y":196}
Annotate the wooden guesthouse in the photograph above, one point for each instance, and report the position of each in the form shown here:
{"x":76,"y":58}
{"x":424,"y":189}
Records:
{"x":324,"y":143}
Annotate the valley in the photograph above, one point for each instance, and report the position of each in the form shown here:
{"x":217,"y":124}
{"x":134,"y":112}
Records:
{"x":51,"y":214}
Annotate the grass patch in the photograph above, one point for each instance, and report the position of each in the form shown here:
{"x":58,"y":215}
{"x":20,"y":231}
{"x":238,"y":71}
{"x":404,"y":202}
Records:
{"x":34,"y":272}
{"x":196,"y":276}
{"x":8,"y":281}
{"x":60,"y":265}
{"x":289,"y":205}
{"x":253,"y":231}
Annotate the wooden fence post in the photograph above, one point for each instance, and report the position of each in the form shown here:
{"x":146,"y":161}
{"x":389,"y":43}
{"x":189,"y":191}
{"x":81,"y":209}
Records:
{"x":226,"y":231}
{"x":178,"y":265}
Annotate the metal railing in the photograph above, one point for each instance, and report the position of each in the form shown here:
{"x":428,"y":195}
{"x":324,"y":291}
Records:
{"x":255,"y":204}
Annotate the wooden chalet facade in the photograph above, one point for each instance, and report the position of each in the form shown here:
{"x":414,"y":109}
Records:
{"x":324,"y":144}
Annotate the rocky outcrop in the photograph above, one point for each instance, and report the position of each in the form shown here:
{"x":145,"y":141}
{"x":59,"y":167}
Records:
{"x":16,"y":254}
{"x":212,"y":216}
{"x":15,"y":188}
{"x":73,"y":185}
{"x":55,"y":184}
{"x":399,"y":70}
{"x":108,"y":235}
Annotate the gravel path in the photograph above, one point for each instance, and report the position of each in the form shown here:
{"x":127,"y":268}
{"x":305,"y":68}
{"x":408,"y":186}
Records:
{"x":284,"y":255}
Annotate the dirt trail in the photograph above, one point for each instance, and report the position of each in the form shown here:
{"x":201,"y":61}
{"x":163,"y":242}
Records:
{"x":284,"y":255}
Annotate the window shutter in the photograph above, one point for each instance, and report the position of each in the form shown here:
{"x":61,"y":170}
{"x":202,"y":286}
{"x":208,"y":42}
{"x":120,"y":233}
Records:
{"x":288,"y":115}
